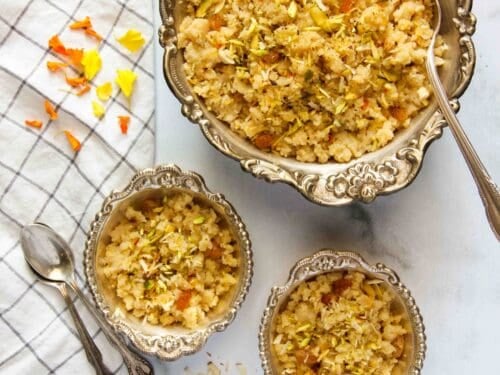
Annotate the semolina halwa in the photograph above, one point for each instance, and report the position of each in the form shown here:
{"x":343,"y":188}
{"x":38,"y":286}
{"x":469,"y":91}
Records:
{"x":315,"y":80}
{"x":339,"y":324}
{"x":171,"y":262}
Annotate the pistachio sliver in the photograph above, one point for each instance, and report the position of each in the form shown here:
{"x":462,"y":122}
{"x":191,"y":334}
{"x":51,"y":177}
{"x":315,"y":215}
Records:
{"x":199,"y":220}
{"x":319,"y":17}
{"x":292,"y":9}
{"x":204,"y":7}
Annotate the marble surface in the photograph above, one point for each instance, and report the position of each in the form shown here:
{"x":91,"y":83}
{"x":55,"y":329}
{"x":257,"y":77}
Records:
{"x":434,"y":233}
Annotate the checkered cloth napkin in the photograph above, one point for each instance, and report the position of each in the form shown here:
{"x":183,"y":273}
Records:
{"x":43,"y":179}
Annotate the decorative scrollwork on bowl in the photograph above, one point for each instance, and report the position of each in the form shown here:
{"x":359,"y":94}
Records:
{"x":363,"y":181}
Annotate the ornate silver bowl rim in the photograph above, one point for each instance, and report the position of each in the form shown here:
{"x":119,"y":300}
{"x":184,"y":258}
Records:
{"x":328,"y":260}
{"x":168,"y":346}
{"x":385,"y":171}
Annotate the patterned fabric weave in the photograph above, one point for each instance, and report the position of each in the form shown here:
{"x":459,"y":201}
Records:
{"x":43,"y":179}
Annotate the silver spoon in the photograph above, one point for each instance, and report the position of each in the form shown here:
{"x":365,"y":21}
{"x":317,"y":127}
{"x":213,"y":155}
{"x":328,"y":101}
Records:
{"x":488,"y":190}
{"x":50,"y":256}
{"x":91,"y":350}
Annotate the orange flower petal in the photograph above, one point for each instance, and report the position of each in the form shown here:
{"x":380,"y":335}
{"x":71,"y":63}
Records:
{"x":57,"y":46}
{"x":86,"y":26}
{"x":92,"y":33}
{"x":51,"y":111}
{"x":34,"y":123}
{"x":76,"y":81}
{"x":83,"y":24}
{"x":73,"y":142}
{"x":85,"y":89}
{"x":75,"y":55}
{"x":55,"y":66}
{"x":124,"y":122}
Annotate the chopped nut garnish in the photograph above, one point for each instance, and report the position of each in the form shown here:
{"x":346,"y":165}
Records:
{"x":338,"y":324}
{"x":259,"y":66}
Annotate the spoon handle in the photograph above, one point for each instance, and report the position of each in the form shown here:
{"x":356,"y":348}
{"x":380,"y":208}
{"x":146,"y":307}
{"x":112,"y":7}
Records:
{"x":91,"y":350}
{"x":136,"y":365}
{"x":488,"y":190}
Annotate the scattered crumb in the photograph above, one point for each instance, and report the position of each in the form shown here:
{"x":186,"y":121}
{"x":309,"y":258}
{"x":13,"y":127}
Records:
{"x":212,"y":369}
{"x":241,"y":369}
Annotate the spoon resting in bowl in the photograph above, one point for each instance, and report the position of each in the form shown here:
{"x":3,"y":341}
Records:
{"x":488,"y":190}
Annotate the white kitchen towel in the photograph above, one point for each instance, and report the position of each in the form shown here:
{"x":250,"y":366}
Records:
{"x":43,"y":179}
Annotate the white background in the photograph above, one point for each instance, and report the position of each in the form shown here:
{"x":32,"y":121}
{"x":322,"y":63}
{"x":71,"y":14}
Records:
{"x":434,"y":233}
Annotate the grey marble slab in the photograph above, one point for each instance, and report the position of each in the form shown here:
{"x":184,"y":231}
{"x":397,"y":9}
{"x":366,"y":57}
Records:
{"x":434,"y":233}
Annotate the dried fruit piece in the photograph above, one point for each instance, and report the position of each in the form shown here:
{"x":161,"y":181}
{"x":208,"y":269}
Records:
{"x":215,"y":252}
{"x":73,"y":142}
{"x":132,"y":40}
{"x":305,"y":357}
{"x":55,"y":66}
{"x":104,"y":91}
{"x":398,"y":113}
{"x":125,"y":78}
{"x":92,"y":63}
{"x":51,"y":111}
{"x":98,"y":109}
{"x":263,"y":141}
{"x":327,"y":298}
{"x":215,"y":22}
{"x":183,"y":301}
{"x":272,"y":57}
{"x":124,"y":122}
{"x":340,"y":286}
{"x":346,"y":6}
{"x":34,"y":123}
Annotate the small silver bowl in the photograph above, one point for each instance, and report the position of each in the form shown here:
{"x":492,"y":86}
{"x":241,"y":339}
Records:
{"x":326,"y":261}
{"x":381,"y":172}
{"x":164,"y":343}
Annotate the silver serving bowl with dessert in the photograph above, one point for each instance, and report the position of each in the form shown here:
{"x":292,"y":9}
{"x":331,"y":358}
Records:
{"x":328,"y":96}
{"x":168,"y":262}
{"x":337,"y":314}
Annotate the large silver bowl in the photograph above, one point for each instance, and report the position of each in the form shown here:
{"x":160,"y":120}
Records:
{"x":326,"y":261}
{"x":381,"y":172}
{"x":165,"y":343}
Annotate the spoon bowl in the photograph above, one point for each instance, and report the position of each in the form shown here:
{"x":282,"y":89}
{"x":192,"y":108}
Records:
{"x":47,"y":253}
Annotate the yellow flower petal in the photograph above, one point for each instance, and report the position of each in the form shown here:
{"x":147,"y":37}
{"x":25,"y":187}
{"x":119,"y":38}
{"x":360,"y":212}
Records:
{"x":132,"y":40}
{"x":98,"y":109}
{"x":125,"y":78}
{"x":92,"y":63}
{"x":104,"y":91}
